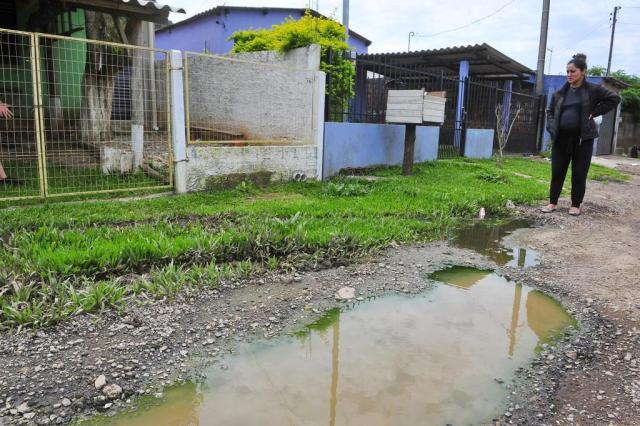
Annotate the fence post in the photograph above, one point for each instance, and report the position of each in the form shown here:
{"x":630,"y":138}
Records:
{"x":319,"y":103}
{"x":327,"y":104}
{"x":460,"y":111}
{"x":178,"y":138}
{"x":540,"y":121}
{"x":39,"y":116}
{"x":466,"y":96}
{"x":136,"y":84}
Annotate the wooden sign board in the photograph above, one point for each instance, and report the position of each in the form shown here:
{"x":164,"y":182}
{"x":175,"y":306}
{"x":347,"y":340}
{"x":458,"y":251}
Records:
{"x":433,"y":108}
{"x":405,"y":106}
{"x":415,"y":106}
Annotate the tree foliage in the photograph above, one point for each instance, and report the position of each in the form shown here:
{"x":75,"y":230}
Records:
{"x":292,"y":34}
{"x":597,"y":71}
{"x":631,"y":95}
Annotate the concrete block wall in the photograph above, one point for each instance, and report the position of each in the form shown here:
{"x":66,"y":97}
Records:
{"x":208,"y":166}
{"x":628,"y":133}
{"x":263,"y":95}
{"x":355,"y":145}
{"x":280,"y":105}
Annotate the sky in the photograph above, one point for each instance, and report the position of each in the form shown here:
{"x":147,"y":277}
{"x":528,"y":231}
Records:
{"x":511,"y":26}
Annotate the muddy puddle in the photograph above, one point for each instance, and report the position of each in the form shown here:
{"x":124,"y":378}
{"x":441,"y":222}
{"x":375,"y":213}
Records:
{"x":443,"y":357}
{"x":485,"y":237}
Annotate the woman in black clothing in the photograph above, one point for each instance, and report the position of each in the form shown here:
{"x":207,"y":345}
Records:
{"x":572,"y":129}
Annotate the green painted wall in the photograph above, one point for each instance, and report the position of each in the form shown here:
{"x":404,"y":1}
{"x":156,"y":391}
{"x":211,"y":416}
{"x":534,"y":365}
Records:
{"x":16,"y":85}
{"x":69,"y":61}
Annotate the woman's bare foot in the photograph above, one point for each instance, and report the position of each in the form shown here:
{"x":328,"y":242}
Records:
{"x":549,"y":208}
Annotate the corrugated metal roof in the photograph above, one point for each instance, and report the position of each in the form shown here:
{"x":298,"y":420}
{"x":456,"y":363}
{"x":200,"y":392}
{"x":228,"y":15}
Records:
{"x":483,"y":59}
{"x":616,"y":82}
{"x":150,"y":4}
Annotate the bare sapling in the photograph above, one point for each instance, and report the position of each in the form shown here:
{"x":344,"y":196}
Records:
{"x":504,"y":125}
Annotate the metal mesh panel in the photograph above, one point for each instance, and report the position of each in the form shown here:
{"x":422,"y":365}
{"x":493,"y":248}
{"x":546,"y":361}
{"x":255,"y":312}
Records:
{"x":234,"y":102}
{"x":88,"y":116}
{"x":19,"y":147}
{"x":103,"y":127}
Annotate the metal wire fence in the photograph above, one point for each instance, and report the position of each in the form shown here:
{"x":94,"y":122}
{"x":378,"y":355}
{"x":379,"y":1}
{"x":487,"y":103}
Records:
{"x":482,"y":98}
{"x":375,"y":75}
{"x":236,"y":102}
{"x":86,"y":116}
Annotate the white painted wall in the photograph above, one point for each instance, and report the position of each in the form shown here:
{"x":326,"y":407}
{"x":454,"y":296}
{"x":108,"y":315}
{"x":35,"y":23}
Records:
{"x":207,"y":164}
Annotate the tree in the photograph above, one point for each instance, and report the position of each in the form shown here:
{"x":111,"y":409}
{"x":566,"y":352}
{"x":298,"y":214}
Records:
{"x":101,"y":68}
{"x":292,"y":34}
{"x":597,"y":71}
{"x":503,"y":127}
{"x":631,"y":95}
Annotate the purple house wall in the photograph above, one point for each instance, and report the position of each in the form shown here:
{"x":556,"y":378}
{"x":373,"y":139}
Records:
{"x":210,"y":30}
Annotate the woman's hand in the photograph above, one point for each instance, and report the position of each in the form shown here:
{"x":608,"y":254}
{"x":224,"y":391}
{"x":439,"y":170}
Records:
{"x":5,"y":112}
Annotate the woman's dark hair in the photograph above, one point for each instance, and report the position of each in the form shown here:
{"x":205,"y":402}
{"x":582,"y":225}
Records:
{"x":579,"y":60}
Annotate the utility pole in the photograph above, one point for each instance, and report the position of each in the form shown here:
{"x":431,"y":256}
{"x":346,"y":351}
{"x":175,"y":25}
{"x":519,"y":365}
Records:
{"x":411,"y":34}
{"x":613,"y":31}
{"x":345,"y":16}
{"x":542,"y":47}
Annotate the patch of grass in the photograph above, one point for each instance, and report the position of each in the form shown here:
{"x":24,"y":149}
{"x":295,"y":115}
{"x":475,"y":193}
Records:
{"x":346,"y":188}
{"x":62,"y":252}
{"x":493,"y":177}
{"x":53,"y":300}
{"x":605,"y":174}
{"x":541,"y":169}
{"x":63,"y":179}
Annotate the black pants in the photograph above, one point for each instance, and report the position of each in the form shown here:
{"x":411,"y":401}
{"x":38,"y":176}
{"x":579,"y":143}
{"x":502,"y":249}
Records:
{"x":567,"y":148}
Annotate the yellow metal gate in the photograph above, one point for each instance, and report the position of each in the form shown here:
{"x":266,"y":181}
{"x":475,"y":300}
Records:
{"x":82,"y":117}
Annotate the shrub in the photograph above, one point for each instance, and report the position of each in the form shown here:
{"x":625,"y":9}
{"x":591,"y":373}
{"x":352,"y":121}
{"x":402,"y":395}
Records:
{"x":292,"y":34}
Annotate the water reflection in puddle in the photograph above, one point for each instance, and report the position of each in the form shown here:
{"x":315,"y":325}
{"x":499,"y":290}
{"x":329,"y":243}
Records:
{"x":484,"y":237}
{"x":437,"y":358}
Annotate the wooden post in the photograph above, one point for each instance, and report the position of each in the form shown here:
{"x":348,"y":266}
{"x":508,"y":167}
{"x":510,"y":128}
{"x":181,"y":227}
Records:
{"x":409,"y":144}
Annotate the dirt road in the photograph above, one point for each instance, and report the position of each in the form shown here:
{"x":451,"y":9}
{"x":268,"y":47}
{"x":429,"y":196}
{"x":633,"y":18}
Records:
{"x":590,"y":263}
{"x":594,"y":260}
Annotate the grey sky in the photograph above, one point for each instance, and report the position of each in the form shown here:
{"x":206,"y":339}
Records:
{"x":575,"y":25}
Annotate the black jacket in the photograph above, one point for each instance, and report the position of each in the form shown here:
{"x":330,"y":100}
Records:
{"x":596,"y":101}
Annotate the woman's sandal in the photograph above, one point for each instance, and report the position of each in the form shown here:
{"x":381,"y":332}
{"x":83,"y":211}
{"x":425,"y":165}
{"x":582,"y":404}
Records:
{"x":548,"y":209}
{"x":574,"y":211}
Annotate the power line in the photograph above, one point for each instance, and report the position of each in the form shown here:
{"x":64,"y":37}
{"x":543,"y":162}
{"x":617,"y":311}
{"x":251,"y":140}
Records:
{"x":595,"y":28}
{"x":470,"y":23}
